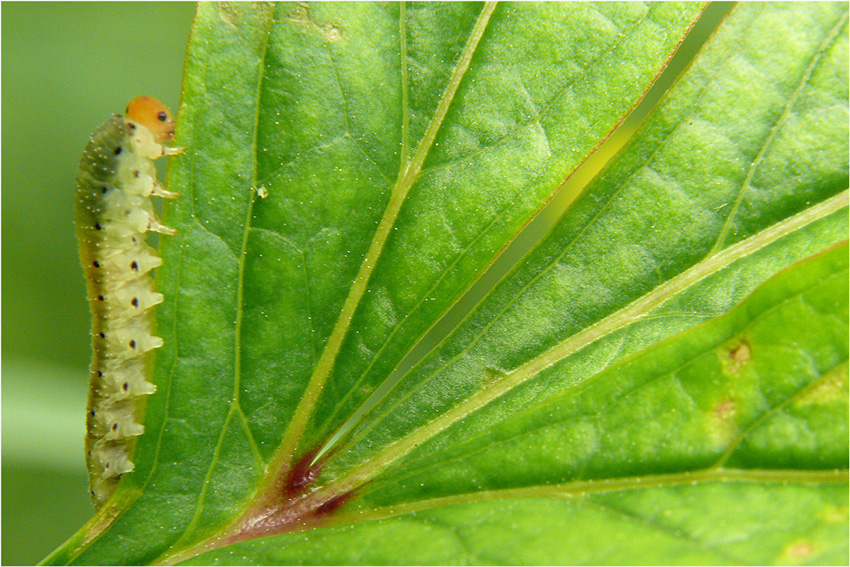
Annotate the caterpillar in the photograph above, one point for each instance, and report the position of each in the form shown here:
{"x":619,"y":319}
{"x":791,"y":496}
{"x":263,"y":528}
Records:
{"x":115,"y":181}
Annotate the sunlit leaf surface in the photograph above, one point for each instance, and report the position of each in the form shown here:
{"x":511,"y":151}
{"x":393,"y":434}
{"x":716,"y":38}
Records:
{"x":662,"y":379}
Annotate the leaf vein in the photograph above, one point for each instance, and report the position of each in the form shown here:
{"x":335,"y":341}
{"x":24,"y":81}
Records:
{"x":327,"y":360}
{"x":623,"y":318}
{"x":830,"y":38}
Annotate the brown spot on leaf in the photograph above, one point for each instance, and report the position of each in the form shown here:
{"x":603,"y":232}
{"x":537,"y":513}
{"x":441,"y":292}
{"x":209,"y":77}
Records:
{"x":333,"y":34}
{"x":300,"y":14}
{"x":301,"y":476}
{"x":237,"y":15}
{"x":721,"y":424}
{"x":332,"y":505}
{"x":741,"y":355}
{"x":798,"y":551}
{"x":735,"y":356}
{"x":725,"y":409}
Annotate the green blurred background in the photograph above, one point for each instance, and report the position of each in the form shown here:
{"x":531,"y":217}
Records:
{"x":66,"y":67}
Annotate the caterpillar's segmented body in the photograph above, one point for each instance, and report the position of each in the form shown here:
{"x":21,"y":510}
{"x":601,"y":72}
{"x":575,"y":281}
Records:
{"x":115,"y":181}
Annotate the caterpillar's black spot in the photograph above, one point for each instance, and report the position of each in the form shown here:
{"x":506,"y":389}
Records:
{"x":97,"y":227}
{"x":93,"y":413}
{"x":114,"y":427}
{"x":131,"y":125}
{"x":162,"y":116}
{"x":100,"y":373}
{"x":134,"y":266}
{"x":100,"y":298}
{"x":135,"y":302}
{"x":118,"y":151}
{"x":132,"y":344}
{"x":102,"y":335}
{"x":125,"y":386}
{"x":136,"y":174}
{"x":96,"y":264}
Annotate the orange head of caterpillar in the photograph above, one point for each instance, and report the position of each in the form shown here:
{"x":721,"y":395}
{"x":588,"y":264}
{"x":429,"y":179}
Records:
{"x":153,"y":115}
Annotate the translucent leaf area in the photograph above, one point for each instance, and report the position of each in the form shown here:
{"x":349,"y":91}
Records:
{"x":663,"y":378}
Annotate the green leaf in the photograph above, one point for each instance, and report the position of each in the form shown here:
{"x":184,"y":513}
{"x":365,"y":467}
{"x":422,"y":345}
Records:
{"x":682,"y":191}
{"x":678,"y":437}
{"x":661,"y":379}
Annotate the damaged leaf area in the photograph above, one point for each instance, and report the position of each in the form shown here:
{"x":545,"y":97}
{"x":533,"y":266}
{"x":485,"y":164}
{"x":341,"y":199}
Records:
{"x":661,"y":378}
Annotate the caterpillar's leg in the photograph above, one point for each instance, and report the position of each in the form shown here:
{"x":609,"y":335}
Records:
{"x":160,"y":191}
{"x":157,"y":226}
{"x":168,"y":151}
